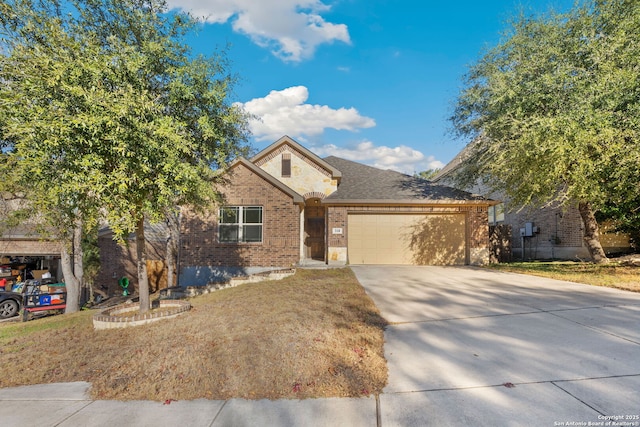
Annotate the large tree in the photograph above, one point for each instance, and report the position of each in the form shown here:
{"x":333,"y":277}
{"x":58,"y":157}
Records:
{"x":554,"y":111}
{"x":110,"y":115}
{"x":41,"y":101}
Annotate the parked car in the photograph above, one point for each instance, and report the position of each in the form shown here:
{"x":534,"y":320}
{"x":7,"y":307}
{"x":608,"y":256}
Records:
{"x":10,"y":304}
{"x":33,"y":296}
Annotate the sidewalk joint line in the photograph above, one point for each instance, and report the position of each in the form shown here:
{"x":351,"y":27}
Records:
{"x":213,"y":421}
{"x":74,"y":413}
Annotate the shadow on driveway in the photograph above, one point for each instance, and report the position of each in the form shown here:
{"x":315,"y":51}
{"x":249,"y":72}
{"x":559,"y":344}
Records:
{"x":465,"y":341}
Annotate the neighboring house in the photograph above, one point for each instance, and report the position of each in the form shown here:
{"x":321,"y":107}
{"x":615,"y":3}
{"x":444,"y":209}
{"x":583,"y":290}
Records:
{"x":287,"y":206}
{"x":536,"y":233}
{"x":28,"y":255}
{"x":23,"y":251}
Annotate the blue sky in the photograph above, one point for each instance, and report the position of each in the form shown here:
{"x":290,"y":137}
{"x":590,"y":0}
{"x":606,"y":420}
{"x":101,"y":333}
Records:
{"x":367,"y":80}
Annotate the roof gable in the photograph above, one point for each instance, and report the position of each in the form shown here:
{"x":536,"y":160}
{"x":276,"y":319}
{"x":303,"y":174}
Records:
{"x":310,"y":157}
{"x":297,"y":198}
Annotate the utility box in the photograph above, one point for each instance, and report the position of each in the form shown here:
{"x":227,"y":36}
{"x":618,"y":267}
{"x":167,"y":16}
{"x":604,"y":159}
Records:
{"x":529,"y":230}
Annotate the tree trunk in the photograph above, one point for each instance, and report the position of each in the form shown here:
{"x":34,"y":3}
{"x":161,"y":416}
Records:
{"x":72,"y":268}
{"x":143,"y":279}
{"x":78,"y":258}
{"x":592,"y":234}
{"x":70,"y":281}
{"x":173,"y":237}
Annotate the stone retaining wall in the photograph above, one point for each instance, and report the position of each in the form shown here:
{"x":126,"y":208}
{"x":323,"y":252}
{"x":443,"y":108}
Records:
{"x":108,"y":319}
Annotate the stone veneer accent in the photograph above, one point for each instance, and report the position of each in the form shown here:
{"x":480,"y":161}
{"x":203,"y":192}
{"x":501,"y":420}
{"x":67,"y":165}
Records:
{"x":286,"y":148}
{"x":306,"y":175}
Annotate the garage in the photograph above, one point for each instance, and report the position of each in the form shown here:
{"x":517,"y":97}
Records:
{"x":24,"y":254}
{"x":406,"y":238}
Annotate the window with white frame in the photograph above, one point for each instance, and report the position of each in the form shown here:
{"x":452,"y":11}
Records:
{"x":496,"y":214}
{"x":240,"y":224}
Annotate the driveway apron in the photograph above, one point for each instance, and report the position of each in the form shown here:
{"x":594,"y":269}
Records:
{"x":469,"y":346}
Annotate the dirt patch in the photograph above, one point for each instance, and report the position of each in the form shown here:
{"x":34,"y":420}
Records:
{"x":316,"y":334}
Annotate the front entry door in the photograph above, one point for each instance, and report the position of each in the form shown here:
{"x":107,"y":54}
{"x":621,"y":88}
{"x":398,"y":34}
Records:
{"x":314,"y":230}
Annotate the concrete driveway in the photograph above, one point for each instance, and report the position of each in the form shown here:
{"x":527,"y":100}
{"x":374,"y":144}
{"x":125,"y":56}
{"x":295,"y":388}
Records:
{"x":467,"y":346}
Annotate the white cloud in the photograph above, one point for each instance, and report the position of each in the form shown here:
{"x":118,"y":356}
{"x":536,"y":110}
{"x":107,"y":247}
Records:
{"x":285,"y":113}
{"x":291,"y":29}
{"x":401,"y":158}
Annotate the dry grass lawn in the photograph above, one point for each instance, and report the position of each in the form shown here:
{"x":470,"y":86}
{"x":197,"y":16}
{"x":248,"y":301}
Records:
{"x":613,"y":275}
{"x":315,"y":334}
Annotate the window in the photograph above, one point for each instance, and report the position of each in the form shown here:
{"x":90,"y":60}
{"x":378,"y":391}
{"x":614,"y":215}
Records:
{"x":240,"y":224}
{"x":286,"y":165}
{"x":496,"y":214}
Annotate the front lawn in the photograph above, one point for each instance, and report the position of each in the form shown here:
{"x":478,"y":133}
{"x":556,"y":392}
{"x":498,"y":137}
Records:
{"x":613,"y":275}
{"x":315,"y":334}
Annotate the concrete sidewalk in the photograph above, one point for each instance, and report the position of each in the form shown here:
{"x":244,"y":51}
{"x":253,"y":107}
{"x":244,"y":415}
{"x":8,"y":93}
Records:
{"x":465,"y":347}
{"x":68,"y":404}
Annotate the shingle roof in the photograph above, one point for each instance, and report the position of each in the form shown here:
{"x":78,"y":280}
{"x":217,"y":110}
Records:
{"x":366,"y":184}
{"x":152,"y":232}
{"x":453,"y":165}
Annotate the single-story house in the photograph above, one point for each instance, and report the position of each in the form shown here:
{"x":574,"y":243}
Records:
{"x":535,"y":233}
{"x":286,"y":206}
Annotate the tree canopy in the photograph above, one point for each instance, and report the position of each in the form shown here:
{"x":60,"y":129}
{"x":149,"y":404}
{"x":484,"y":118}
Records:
{"x":554,"y":110}
{"x":107,"y":114}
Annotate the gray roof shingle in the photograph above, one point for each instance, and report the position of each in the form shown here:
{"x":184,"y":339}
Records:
{"x":362,"y":183}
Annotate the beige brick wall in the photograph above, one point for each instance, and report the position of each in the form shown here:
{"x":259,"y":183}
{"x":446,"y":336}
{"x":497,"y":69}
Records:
{"x":29,"y":247}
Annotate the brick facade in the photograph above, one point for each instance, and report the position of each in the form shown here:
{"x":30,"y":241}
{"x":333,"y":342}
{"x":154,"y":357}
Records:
{"x":560,"y":233}
{"x":117,"y":261}
{"x":280,"y":247}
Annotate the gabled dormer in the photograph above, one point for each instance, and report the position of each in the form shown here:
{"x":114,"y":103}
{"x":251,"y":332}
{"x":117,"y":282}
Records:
{"x":298,"y":168}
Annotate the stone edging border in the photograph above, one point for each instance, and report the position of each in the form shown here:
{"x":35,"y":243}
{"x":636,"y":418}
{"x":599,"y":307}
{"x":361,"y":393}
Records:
{"x":107,"y":319}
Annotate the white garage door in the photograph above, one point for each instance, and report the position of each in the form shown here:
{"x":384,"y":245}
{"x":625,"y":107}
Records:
{"x":419,"y":239}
